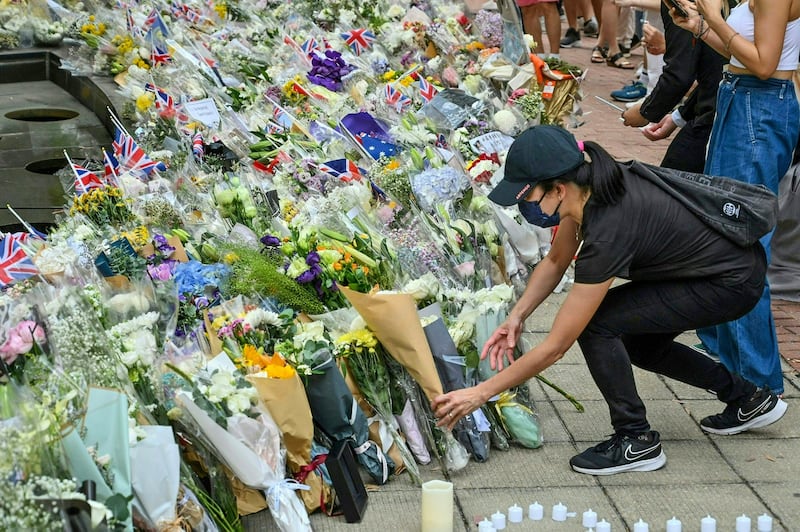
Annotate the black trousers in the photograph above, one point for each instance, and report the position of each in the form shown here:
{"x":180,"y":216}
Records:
{"x":637,"y":323}
{"x":687,"y":151}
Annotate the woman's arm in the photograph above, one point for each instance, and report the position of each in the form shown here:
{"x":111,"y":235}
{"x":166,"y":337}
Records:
{"x":548,"y":273}
{"x":542,"y":281}
{"x":760,"y":57}
{"x":578,"y":308}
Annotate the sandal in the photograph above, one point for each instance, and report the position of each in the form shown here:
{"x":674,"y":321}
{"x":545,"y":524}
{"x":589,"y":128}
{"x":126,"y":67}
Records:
{"x":599,"y":54}
{"x":618,"y":60}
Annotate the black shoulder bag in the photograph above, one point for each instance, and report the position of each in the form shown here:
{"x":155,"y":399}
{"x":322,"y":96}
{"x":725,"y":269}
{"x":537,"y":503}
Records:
{"x":739,"y":211}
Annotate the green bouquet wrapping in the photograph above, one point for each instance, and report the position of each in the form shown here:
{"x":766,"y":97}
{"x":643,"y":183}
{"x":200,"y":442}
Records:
{"x":520,"y":421}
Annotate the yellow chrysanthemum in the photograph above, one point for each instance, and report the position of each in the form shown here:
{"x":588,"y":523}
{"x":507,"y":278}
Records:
{"x":144,"y":101}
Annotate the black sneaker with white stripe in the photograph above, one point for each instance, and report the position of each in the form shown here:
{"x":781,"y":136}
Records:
{"x":759,"y":410}
{"x":621,"y":454}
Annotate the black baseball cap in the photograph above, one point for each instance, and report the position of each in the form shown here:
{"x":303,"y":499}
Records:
{"x":539,"y":153}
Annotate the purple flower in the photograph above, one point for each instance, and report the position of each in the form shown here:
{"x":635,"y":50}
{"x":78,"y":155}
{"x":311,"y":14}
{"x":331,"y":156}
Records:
{"x":161,"y":272}
{"x":328,"y":70}
{"x":270,"y":241}
{"x":162,"y":245}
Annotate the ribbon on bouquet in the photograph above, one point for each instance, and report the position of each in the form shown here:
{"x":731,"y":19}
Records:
{"x":508,"y":399}
{"x":273,"y":493}
{"x":361,"y":449}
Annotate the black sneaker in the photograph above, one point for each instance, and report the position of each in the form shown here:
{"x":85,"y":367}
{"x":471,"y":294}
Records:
{"x":620,"y":454}
{"x":590,"y":28}
{"x":761,"y":409}
{"x":571,"y":38}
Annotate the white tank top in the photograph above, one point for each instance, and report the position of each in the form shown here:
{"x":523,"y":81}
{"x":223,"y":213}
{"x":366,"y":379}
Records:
{"x":741,"y":20}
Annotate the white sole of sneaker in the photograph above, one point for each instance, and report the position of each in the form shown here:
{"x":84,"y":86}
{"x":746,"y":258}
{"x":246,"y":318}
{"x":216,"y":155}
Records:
{"x":644,"y":465}
{"x":761,"y":421}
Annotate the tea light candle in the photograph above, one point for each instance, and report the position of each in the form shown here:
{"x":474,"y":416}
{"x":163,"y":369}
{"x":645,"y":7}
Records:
{"x":514,"y":514}
{"x":535,"y":511}
{"x":603,"y":526}
{"x":499,"y":520}
{"x":641,"y":526}
{"x":486,"y":526}
{"x":764,"y":523}
{"x":708,"y":524}
{"x":437,"y":506}
{"x":743,"y":523}
{"x":559,"y":512}
{"x":589,"y":518}
{"x":674,"y":525}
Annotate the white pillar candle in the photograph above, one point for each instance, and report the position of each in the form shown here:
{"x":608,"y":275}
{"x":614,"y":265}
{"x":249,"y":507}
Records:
{"x":742,"y":523}
{"x":674,"y":525}
{"x":589,"y":518}
{"x":535,"y":511}
{"x":559,"y":512}
{"x":708,"y":524}
{"x":603,"y":526}
{"x":486,"y":526}
{"x":514,"y":514}
{"x":641,"y":526}
{"x":437,"y":506}
{"x":499,"y":520}
{"x":764,"y":523}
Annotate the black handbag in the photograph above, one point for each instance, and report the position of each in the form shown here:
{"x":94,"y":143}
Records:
{"x":740,"y":211}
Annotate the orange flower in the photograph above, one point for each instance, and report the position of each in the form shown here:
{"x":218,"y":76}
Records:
{"x":337,"y":266}
{"x":253,"y":357}
{"x":394,"y":164}
{"x":275,"y":371}
{"x":365,"y":270}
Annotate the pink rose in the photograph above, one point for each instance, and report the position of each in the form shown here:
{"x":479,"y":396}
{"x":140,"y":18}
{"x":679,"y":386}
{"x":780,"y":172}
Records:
{"x":31,"y":332}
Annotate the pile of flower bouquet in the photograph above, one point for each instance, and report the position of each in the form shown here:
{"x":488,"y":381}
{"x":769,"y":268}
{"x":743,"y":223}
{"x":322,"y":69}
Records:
{"x":288,"y":244}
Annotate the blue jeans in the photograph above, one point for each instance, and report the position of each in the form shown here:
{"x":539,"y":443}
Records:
{"x":754,"y":134}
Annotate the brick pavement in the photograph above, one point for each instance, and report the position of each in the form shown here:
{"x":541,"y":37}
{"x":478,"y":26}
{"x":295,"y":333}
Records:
{"x":601,"y":124}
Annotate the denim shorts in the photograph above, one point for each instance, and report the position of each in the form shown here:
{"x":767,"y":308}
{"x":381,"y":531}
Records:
{"x":755,"y":130}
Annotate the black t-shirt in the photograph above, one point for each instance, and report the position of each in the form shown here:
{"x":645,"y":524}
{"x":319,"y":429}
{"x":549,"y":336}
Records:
{"x":650,"y":236}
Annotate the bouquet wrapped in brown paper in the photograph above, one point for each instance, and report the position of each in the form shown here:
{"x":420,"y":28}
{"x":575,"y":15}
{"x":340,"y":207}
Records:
{"x":286,"y":401}
{"x":394,"y":320}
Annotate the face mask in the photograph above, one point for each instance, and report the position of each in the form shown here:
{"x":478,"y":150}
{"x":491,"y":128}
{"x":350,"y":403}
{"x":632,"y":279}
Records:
{"x":532,"y":212}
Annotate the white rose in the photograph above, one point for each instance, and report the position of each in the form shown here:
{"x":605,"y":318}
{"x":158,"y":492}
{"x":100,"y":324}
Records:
{"x":425,"y":287}
{"x":311,"y":331}
{"x":505,"y":121}
{"x":461,"y":332}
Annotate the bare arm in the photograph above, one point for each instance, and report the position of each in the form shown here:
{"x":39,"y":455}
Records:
{"x":760,"y":57}
{"x":579,"y":307}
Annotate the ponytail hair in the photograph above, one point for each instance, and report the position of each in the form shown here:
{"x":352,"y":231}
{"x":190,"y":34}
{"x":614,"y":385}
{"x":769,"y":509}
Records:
{"x":602,"y":175}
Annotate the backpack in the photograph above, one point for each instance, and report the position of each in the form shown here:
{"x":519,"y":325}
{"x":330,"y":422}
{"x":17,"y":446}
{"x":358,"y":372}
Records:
{"x":739,"y":211}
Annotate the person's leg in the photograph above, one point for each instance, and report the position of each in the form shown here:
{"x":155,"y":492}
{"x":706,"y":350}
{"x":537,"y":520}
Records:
{"x":572,"y":37}
{"x":608,"y":36}
{"x":532,"y":26}
{"x":552,"y":23}
{"x":687,"y":151}
{"x":589,"y":21}
{"x":763,"y":116}
{"x":647,"y":317}
{"x":597,"y":8}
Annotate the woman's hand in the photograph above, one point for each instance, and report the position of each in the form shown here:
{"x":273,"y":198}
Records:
{"x":661,"y":130}
{"x":502,"y":342}
{"x":690,"y":23}
{"x":654,"y":41}
{"x":632,"y":117}
{"x":451,"y":407}
{"x":710,"y":9}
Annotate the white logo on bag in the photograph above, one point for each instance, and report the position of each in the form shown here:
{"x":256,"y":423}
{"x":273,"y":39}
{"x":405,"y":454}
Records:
{"x":632,"y":455}
{"x":731,"y":210}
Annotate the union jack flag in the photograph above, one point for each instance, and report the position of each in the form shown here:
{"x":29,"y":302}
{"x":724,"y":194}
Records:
{"x":351,"y":171}
{"x":441,"y":141}
{"x":426,"y":90}
{"x":197,"y":145}
{"x":164,"y":101}
{"x":358,"y":39}
{"x":159,"y":55}
{"x":396,"y":98}
{"x":283,"y":118}
{"x":15,"y":265}
{"x":310,"y":46}
{"x":24,"y":236}
{"x":110,"y":168}
{"x":154,"y":22}
{"x":132,"y":27}
{"x":132,"y":157}
{"x":85,"y":180}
